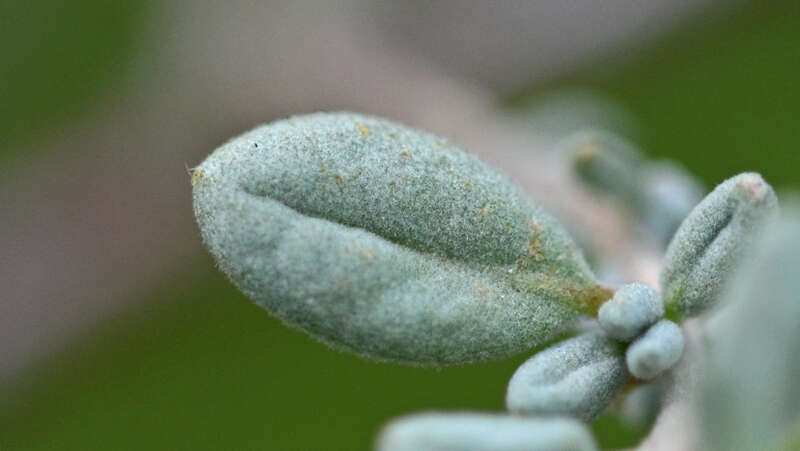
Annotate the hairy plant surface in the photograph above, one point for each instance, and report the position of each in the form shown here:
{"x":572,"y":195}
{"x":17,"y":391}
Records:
{"x":388,"y":242}
{"x":396,"y":245}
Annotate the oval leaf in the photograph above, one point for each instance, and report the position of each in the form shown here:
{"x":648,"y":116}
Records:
{"x":660,"y":193}
{"x":577,"y":377}
{"x":748,"y":390}
{"x":711,"y":241}
{"x":484,"y":432}
{"x":387,"y":241}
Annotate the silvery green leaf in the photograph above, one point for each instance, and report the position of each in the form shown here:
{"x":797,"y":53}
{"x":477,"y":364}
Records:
{"x":656,"y":351}
{"x":660,"y":193}
{"x":633,"y":307}
{"x":712,"y":240}
{"x":749,"y":393}
{"x":484,"y":432}
{"x":388,"y":241}
{"x":577,"y":377}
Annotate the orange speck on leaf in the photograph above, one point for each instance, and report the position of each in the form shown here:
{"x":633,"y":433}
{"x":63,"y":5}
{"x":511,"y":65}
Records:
{"x":197,"y":175}
{"x":363,"y":129}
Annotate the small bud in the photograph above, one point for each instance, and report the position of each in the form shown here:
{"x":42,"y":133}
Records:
{"x":656,"y":351}
{"x":633,"y":307}
{"x":712,"y":240}
{"x":388,"y":241}
{"x":484,"y":432}
{"x":577,"y":377}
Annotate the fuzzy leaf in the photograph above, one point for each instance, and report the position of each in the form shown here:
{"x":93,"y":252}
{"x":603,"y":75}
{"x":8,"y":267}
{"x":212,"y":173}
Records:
{"x":484,"y":432}
{"x":577,"y":377}
{"x":387,"y":241}
{"x":749,"y":391}
{"x":660,"y":193}
{"x":712,"y":240}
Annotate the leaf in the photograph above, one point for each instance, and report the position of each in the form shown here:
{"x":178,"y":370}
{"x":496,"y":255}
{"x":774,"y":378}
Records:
{"x":711,"y":242}
{"x":661,"y":193}
{"x":748,"y":390}
{"x":484,"y":432}
{"x":577,"y":377}
{"x":388,"y":242}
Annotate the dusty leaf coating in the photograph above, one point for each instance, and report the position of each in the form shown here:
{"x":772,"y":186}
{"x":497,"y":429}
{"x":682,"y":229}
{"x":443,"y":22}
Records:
{"x":577,"y":377}
{"x":387,"y":241}
{"x":712,"y":240}
{"x":656,"y":351}
{"x":633,"y":308}
{"x":484,"y":432}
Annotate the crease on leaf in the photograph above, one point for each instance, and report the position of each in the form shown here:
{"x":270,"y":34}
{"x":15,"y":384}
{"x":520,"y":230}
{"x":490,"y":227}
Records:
{"x":578,"y":377}
{"x":712,"y":240}
{"x":337,"y":233}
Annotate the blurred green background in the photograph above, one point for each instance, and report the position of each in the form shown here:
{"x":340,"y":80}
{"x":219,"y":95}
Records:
{"x":58,"y":57}
{"x":196,"y":366}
